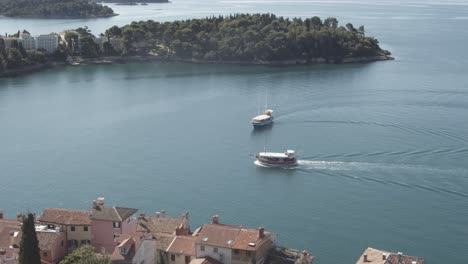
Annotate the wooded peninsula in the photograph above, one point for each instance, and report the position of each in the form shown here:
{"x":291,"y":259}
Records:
{"x":240,"y":38}
{"x":252,"y":38}
{"x":54,"y":9}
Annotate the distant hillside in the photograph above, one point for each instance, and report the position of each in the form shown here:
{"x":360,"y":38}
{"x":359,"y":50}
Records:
{"x":54,"y":9}
{"x":132,"y":1}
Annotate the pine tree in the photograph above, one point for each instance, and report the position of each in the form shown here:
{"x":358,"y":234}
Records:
{"x":29,"y":246}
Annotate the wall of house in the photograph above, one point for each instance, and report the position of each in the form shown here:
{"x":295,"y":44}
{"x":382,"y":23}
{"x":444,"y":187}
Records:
{"x":46,"y":256}
{"x":179,"y":258}
{"x":146,"y":253}
{"x":129,"y":225}
{"x":262,"y":251}
{"x":79,"y":234}
{"x":243,"y":257}
{"x":103,"y":235}
{"x":59,"y":249}
{"x":223,"y":254}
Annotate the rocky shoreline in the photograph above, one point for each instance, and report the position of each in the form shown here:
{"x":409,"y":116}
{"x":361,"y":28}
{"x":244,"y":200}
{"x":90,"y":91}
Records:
{"x":148,"y":59}
{"x":135,"y":59}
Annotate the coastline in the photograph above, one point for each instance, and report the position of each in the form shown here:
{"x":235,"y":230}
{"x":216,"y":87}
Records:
{"x":149,"y":59}
{"x":62,"y":17}
{"x":136,"y":59}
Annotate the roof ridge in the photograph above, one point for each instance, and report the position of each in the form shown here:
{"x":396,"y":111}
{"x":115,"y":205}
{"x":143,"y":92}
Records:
{"x":117,"y":212}
{"x":172,"y":242}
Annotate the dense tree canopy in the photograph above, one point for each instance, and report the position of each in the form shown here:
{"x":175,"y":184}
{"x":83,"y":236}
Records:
{"x":29,"y":245}
{"x":16,"y":57}
{"x":85,"y":255}
{"x":246,"y":37}
{"x":54,"y":8}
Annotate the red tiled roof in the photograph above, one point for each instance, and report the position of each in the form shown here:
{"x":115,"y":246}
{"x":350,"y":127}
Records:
{"x":248,"y":240}
{"x":163,"y":241}
{"x":160,"y":224}
{"x":229,"y":236}
{"x":184,"y":245}
{"x":403,"y":259}
{"x":8,"y":229}
{"x":65,"y":216}
{"x":376,"y":256}
{"x":218,"y":235}
{"x":111,"y":213}
{"x":131,"y":243}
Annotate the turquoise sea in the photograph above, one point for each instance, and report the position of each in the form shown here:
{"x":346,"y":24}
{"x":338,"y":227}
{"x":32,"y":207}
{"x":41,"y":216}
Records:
{"x":384,"y":146}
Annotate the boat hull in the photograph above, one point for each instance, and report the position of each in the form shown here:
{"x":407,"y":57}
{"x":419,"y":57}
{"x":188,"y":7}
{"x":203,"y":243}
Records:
{"x":263,"y":123}
{"x":263,"y":163}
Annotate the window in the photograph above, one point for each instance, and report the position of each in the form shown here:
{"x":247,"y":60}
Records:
{"x":202,"y":248}
{"x":44,"y":253}
{"x":249,"y":253}
{"x":172,"y":257}
{"x":116,"y":224}
{"x":236,"y":251}
{"x":61,"y":243}
{"x":85,"y":228}
{"x":85,"y":242}
{"x":49,"y":226}
{"x":215,"y":250}
{"x":123,"y":251}
{"x":72,"y":229}
{"x":187,"y":259}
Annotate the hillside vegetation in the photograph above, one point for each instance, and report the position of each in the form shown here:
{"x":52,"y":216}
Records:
{"x":248,"y":38}
{"x":54,"y":9}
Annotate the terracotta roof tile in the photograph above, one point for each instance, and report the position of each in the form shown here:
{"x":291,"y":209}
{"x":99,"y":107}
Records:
{"x":110,"y":213}
{"x":376,"y":256}
{"x":184,"y":245}
{"x":10,"y":233}
{"x":166,"y":225}
{"x":403,"y":259}
{"x":248,"y":239}
{"x":218,"y":235}
{"x":163,"y":241}
{"x":65,"y":216}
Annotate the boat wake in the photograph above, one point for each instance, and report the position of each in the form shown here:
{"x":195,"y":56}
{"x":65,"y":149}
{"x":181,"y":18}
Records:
{"x":349,"y":169}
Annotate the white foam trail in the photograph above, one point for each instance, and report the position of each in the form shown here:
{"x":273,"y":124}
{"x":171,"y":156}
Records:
{"x":364,"y":166}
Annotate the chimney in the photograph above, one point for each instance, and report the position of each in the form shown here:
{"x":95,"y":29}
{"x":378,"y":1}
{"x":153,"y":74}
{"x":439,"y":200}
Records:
{"x":1,"y":214}
{"x":142,"y":216}
{"x":95,"y":206}
{"x":19,"y":217}
{"x":365,"y":258}
{"x":384,"y":257}
{"x":100,"y":201}
{"x":305,"y":253}
{"x":215,"y":219}
{"x":399,"y":256}
{"x":158,"y":214}
{"x":261,"y":232}
{"x":163,"y":213}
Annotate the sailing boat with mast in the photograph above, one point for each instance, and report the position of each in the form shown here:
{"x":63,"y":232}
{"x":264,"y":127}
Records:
{"x":265,"y":118}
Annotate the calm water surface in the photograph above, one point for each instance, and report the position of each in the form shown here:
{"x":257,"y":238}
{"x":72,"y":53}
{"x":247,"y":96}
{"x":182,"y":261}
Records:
{"x":384,"y":145}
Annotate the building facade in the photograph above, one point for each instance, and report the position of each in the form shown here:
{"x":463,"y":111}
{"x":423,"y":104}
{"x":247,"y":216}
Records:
{"x":29,"y":42}
{"x":75,"y":223}
{"x":49,"y":42}
{"x":108,"y":223}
